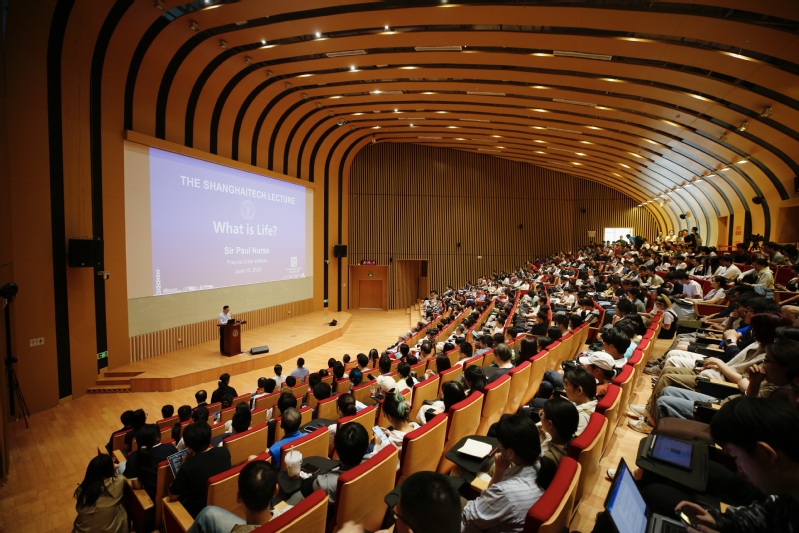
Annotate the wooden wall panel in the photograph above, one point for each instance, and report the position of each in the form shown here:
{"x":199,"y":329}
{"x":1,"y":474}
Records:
{"x":405,"y":283}
{"x":167,"y":340}
{"x":419,"y":202}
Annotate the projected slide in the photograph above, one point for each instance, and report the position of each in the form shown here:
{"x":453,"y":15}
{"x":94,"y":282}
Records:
{"x":215,"y":226}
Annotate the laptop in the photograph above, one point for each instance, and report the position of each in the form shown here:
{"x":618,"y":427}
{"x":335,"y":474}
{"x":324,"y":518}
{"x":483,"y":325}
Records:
{"x":629,"y":513}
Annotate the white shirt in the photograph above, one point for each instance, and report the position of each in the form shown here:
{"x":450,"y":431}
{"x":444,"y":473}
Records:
{"x":503,"y":506}
{"x":732,"y":272}
{"x":224,"y":317}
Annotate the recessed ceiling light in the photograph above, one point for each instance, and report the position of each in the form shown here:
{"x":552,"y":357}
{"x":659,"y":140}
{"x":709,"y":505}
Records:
{"x":539,"y":141}
{"x":318,"y":34}
{"x":386,"y":27}
{"x":452,"y":127}
{"x":576,"y":163}
{"x":539,"y":87}
{"x":541,"y":54}
{"x":352,"y":68}
{"x":586,"y":142}
{"x":580,"y":154}
{"x":375,"y":127}
{"x":625,"y":166}
{"x":540,"y":152}
{"x":497,"y":136}
{"x":538,"y":127}
{"x":539,"y":110}
{"x":593,"y":128}
{"x":263,"y":41}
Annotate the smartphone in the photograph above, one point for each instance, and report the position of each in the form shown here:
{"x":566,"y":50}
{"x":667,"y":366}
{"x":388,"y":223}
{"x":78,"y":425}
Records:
{"x":309,"y":469}
{"x":686,"y":519}
{"x":310,"y":429}
{"x":379,"y":433}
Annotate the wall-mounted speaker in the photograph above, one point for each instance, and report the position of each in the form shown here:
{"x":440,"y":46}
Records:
{"x":339,"y":250}
{"x":86,"y":253}
{"x":682,"y":216}
{"x":758,"y":200}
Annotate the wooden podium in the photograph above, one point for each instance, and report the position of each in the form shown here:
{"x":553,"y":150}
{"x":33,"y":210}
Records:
{"x":231,"y":338}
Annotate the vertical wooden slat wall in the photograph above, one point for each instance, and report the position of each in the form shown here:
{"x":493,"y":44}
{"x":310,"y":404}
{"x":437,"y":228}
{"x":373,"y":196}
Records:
{"x":168,"y":340}
{"x":418,"y":202}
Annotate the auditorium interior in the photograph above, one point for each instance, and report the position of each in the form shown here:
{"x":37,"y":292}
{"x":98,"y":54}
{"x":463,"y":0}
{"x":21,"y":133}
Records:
{"x":439,"y":140}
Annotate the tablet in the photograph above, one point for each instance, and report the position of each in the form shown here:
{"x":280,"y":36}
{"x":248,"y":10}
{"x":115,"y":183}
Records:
{"x":672,"y":451}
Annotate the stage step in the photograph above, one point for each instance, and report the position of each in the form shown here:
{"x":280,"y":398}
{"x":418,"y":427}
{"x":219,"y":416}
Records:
{"x":113,"y":381}
{"x":106,"y":389}
{"x":114,"y":374}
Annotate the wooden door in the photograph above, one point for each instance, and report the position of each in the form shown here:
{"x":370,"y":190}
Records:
{"x":370,"y":294}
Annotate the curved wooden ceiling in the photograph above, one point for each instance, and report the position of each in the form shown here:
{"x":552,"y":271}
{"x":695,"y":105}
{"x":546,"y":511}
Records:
{"x":690,"y":104}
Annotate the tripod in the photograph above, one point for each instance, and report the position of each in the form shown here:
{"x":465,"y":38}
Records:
{"x":8,"y":292}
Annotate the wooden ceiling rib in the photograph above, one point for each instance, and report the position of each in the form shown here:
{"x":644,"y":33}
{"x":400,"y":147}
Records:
{"x":682,"y":78}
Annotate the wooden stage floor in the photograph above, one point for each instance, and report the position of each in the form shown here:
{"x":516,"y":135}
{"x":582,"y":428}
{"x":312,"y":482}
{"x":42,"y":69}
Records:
{"x":191,"y":366}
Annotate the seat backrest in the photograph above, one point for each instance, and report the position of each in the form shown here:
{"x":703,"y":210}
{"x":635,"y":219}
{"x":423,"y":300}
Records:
{"x":587,"y":449}
{"x":554,"y":355}
{"x":217,"y":429}
{"x":363,"y":392}
{"x":327,"y":408}
{"x":258,"y":417}
{"x":608,"y":406}
{"x":310,"y":514}
{"x":343,"y":385}
{"x":464,"y":417}
{"x":214,"y":408}
{"x":519,"y":378}
{"x":495,"y":397}
{"x":422,"y":447}
{"x":164,"y":478}
{"x":539,"y":364}
{"x":449,"y":375}
{"x":553,"y":510}
{"x":474,"y":360}
{"x":365,"y":417}
{"x":167,"y":422}
{"x":636,"y":361}
{"x":223,"y":488}
{"x":267,"y":401}
{"x":424,"y":390}
{"x":246,"y":398}
{"x":625,"y":381}
{"x":566,"y":343}
{"x":250,"y":442}
{"x":360,"y":491}
{"x":227,"y":414}
{"x":118,"y":440}
{"x":314,"y":444}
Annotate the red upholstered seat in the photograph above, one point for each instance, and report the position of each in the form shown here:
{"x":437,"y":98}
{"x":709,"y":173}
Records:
{"x":551,"y":513}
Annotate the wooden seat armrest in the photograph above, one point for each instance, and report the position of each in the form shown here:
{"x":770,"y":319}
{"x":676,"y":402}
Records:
{"x":141,"y":496}
{"x":119,"y":456}
{"x":179,"y":515}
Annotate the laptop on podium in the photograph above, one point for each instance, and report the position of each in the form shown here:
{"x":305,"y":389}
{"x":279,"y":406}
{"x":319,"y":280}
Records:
{"x":629,"y":513}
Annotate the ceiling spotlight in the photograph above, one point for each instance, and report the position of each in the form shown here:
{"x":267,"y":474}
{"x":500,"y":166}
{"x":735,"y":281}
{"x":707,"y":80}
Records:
{"x":287,"y":85}
{"x":330,"y":114}
{"x":248,"y":60}
{"x":193,"y":26}
{"x":767,"y":112}
{"x":352,"y":68}
{"x":318,"y":34}
{"x":352,"y":128}
{"x":223,"y":44}
{"x":269,"y":74}
{"x":263,"y":41}
{"x":723,"y":137}
{"x":318,"y":105}
{"x":386,"y":27}
{"x":304,"y":96}
{"x":341,"y":122}
{"x":159,"y":4}
{"x":743,"y":126}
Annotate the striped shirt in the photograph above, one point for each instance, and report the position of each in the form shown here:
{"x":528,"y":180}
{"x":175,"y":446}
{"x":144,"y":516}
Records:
{"x":503,"y":506}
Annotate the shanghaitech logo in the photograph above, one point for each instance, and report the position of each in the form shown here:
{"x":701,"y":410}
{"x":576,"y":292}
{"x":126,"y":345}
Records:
{"x":247,"y":210}
{"x":293,"y":262}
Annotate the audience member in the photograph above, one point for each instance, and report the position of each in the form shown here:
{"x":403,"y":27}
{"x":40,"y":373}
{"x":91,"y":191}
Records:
{"x":290,"y":421}
{"x":200,"y":463}
{"x":99,"y":499}
{"x":257,"y":485}
{"x":223,"y":389}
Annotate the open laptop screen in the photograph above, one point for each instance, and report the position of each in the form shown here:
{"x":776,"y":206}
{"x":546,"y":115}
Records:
{"x":625,"y":505}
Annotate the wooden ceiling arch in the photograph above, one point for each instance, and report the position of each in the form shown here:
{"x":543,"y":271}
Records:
{"x":694,"y":105}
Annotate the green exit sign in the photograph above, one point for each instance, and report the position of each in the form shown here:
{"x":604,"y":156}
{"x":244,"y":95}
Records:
{"x":102,"y":355}
{"x":371,"y":275}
